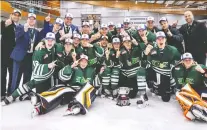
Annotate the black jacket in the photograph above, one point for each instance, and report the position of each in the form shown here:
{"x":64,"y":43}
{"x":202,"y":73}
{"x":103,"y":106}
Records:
{"x":7,"y":39}
{"x":196,"y":40}
{"x":176,"y":39}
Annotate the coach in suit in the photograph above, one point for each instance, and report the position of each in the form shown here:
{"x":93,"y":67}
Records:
{"x":174,"y":37}
{"x":27,"y":38}
{"x":55,"y":28}
{"x":195,"y":37}
{"x":7,"y":45}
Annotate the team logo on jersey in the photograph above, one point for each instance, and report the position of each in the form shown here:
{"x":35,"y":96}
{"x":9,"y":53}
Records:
{"x":59,"y":55}
{"x":153,"y":52}
{"x":123,"y":52}
{"x":177,"y":68}
{"x":45,"y":56}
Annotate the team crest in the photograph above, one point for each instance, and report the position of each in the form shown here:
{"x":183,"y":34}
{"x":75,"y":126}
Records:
{"x":177,"y":68}
{"x":124,"y":52}
{"x":153,"y":52}
{"x":45,"y":56}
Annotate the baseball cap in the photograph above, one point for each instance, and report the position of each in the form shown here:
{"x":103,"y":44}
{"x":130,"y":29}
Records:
{"x":186,"y":56}
{"x":104,"y":37}
{"x":118,"y":25}
{"x":59,"y":21}
{"x":141,"y":27}
{"x":116,"y":40}
{"x":69,"y":15}
{"x":160,"y":34}
{"x":83,"y":57}
{"x":85,"y":36}
{"x":50,"y":35}
{"x":32,"y":15}
{"x":76,"y":35}
{"x":162,"y":19}
{"x":68,"y":40}
{"x":126,"y":20}
{"x":110,"y":23}
{"x":17,"y":11}
{"x":85,"y":24}
{"x":126,"y":39}
{"x":150,"y":18}
{"x":104,"y":25}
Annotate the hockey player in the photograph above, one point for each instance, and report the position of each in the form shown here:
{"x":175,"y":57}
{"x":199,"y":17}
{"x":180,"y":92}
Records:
{"x":76,"y":40}
{"x":78,"y":74}
{"x":150,"y":25}
{"x":132,"y":74}
{"x":79,"y":95}
{"x":160,"y":59}
{"x":110,"y":76}
{"x":66,"y":57}
{"x":112,"y":28}
{"x":102,"y":32}
{"x":44,"y":62}
{"x":191,"y":79}
{"x":143,"y":37}
{"x":91,"y":50}
{"x":127,"y":26}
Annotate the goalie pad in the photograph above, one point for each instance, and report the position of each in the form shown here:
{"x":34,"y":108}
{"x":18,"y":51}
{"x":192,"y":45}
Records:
{"x":49,"y":100}
{"x":191,"y":103}
{"x":85,"y":97}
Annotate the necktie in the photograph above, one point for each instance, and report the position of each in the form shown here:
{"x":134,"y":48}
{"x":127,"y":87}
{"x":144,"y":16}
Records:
{"x":189,"y":29}
{"x":67,"y":29}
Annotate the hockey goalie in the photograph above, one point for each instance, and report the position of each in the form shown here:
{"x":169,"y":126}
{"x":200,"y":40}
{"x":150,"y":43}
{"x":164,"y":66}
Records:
{"x":193,"y":105}
{"x":193,"y":96}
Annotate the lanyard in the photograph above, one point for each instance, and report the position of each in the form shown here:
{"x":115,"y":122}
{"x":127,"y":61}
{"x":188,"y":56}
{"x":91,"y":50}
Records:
{"x":32,"y":40}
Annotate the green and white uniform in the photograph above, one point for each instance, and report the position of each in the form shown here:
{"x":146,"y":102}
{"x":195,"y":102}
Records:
{"x":161,"y":63}
{"x":132,"y":74}
{"x":151,"y":38}
{"x":92,"y":53}
{"x":190,"y":76}
{"x":41,"y":73}
{"x":77,"y":76}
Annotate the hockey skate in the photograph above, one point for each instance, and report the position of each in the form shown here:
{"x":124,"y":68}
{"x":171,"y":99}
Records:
{"x":106,"y":94}
{"x":75,"y":108}
{"x":123,"y":98}
{"x":142,"y":102}
{"x":7,"y":101}
{"x":36,"y":110}
{"x":25,"y":97}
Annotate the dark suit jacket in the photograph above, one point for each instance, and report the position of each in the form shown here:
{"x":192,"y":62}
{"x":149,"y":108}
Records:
{"x":196,"y":41}
{"x":22,"y":43}
{"x":176,"y":39}
{"x":7,"y":39}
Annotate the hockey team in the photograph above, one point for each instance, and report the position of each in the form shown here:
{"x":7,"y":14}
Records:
{"x":64,"y":65}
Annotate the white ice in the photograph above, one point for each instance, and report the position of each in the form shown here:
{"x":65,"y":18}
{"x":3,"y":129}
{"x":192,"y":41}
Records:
{"x":103,"y":115}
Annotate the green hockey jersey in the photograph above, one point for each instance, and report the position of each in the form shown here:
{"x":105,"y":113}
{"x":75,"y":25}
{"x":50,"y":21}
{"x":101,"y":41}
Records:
{"x":41,"y":59}
{"x":92,"y":53}
{"x":163,"y":60}
{"x":77,"y":76}
{"x":151,"y":38}
{"x":130,"y":61}
{"x":191,"y":76}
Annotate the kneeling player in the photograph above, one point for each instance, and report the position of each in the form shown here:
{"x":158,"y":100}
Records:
{"x":193,"y":96}
{"x":160,"y":59}
{"x":79,"y":95}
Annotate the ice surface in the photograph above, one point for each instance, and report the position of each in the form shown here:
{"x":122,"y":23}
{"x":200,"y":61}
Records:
{"x":103,"y":115}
